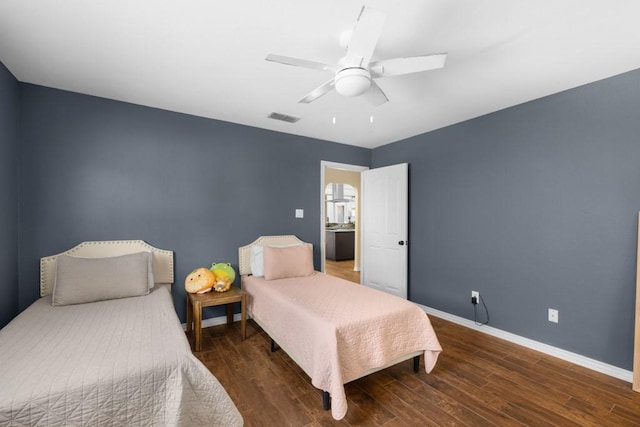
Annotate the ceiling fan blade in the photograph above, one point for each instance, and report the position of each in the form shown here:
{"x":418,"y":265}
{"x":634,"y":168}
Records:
{"x":288,"y":60}
{"x":318,"y":92}
{"x":365,"y":37}
{"x":376,"y":96}
{"x":414,"y":64}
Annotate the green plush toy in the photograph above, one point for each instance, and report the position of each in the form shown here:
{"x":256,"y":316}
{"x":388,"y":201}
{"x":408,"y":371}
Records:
{"x":224,"y":274}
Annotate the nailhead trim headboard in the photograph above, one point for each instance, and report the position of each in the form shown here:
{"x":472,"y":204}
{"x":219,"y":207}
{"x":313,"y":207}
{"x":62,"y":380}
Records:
{"x":162,"y":259}
{"x":244,"y":252}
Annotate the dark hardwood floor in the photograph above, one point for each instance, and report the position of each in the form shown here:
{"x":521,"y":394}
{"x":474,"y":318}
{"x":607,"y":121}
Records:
{"x":479,"y":380}
{"x":342,"y":269}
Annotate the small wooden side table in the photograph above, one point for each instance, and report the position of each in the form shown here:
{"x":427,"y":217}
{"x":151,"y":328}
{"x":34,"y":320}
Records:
{"x":195,"y":303}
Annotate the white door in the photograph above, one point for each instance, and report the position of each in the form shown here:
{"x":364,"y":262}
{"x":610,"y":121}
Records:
{"x":385,"y":228}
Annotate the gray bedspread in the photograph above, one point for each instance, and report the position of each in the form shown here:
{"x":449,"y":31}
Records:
{"x":118,"y":363}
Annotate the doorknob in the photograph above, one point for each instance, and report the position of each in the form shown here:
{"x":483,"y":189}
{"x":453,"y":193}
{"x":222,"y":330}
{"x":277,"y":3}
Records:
{"x":402,"y":242}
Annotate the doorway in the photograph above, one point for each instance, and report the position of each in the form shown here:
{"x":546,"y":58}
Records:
{"x":381,"y":253}
{"x":340,"y":229}
{"x":340,"y":220}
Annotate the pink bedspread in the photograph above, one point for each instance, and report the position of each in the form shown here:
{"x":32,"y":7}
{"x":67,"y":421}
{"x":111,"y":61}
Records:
{"x":337,"y":330}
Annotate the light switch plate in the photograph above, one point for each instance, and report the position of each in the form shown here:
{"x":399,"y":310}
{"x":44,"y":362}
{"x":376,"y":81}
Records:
{"x":299,"y":213}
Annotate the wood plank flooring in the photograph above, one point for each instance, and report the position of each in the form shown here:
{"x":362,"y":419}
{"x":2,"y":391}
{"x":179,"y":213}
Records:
{"x":479,"y":380}
{"x":342,"y":269}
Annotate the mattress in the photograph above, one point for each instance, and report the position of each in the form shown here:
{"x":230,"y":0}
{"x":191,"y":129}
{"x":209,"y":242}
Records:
{"x":338,"y":331}
{"x":116,"y":362}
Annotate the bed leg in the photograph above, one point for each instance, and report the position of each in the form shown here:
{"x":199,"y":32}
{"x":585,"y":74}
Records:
{"x":416,"y":364}
{"x":273,"y":346}
{"x":326,"y":400}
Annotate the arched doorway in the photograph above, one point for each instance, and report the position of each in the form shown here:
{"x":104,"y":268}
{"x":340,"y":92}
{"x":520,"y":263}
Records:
{"x":342,"y":215}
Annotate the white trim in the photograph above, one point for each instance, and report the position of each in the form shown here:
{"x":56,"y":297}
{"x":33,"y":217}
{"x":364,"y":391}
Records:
{"x":215,"y":321}
{"x":332,"y":165}
{"x":568,"y":356}
{"x":574,"y":358}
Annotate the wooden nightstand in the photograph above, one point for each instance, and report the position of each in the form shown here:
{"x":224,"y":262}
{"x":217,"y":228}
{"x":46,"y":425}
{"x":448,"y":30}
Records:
{"x":196,"y":302}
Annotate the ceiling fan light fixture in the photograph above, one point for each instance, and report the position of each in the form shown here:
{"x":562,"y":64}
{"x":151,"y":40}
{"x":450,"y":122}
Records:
{"x":352,"y":81}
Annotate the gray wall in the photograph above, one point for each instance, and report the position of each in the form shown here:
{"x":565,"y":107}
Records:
{"x":99,"y":169}
{"x":535,"y":207}
{"x":9,"y":107}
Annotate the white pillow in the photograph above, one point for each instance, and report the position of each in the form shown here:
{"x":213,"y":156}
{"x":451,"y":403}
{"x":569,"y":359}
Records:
{"x":83,"y":280}
{"x":257,"y":261}
{"x":150,"y":278}
{"x":257,"y":257}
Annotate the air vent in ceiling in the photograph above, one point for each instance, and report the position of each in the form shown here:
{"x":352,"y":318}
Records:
{"x":283,"y":117}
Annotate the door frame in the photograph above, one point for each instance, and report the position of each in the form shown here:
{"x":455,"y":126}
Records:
{"x":333,"y":165}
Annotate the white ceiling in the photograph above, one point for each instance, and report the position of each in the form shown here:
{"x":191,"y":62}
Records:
{"x":206,"y":58}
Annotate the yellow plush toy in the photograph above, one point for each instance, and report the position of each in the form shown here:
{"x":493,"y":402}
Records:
{"x":199,"y":281}
{"x":224,"y":276}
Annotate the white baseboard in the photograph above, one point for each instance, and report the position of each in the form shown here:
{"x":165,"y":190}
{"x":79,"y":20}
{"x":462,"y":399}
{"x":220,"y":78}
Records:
{"x":215,"y":321}
{"x":575,"y":358}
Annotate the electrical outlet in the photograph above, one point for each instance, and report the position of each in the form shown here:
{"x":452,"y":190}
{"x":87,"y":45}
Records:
{"x":475,"y":296}
{"x":553,"y":315}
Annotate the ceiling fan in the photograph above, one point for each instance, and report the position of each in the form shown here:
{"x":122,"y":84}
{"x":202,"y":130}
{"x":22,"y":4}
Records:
{"x":354,"y":73}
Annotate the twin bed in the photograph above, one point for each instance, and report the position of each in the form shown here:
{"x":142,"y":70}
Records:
{"x":104,"y":346}
{"x":336,"y":331}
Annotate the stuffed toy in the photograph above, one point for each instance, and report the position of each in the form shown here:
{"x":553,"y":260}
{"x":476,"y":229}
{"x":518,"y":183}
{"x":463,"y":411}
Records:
{"x":224,"y":276}
{"x":199,"y":281}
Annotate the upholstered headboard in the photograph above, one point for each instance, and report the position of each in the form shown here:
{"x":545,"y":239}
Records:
{"x":244,"y":252}
{"x":162,"y":259}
